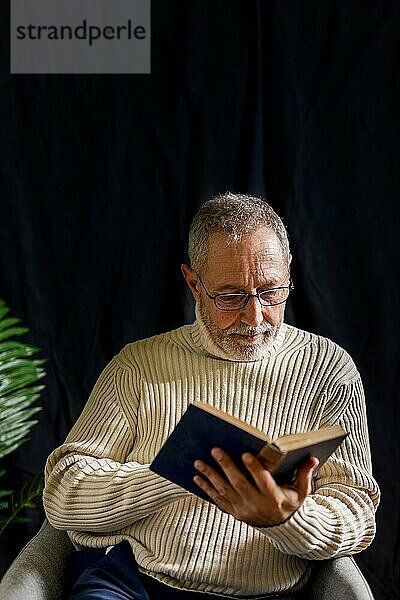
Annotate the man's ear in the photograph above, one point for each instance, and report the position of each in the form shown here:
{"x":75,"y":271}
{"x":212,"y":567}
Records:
{"x":192,"y":281}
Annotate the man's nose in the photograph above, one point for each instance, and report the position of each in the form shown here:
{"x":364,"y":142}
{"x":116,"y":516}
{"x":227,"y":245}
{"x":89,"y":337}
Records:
{"x":252,"y":313}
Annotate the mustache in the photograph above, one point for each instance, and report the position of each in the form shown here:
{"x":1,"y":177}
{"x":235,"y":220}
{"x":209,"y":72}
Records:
{"x":245,"y":330}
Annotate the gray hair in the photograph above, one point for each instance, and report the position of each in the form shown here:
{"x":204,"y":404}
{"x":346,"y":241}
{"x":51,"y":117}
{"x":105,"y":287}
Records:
{"x":233,"y":215}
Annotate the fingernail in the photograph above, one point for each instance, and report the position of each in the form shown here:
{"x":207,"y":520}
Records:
{"x":217,"y":453}
{"x":247,"y":458}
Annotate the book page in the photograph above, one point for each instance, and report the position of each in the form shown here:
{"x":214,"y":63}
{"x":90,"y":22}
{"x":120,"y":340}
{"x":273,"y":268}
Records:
{"x":300,"y":440}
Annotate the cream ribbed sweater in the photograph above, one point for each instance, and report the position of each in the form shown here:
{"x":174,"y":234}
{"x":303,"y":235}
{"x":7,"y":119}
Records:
{"x":100,"y":489}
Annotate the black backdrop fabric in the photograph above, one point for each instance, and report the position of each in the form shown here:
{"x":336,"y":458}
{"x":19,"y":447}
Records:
{"x":297,"y":101}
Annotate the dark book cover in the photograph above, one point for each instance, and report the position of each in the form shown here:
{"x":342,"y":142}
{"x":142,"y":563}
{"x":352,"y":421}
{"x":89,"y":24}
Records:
{"x":193,"y":438}
{"x":199,"y":430}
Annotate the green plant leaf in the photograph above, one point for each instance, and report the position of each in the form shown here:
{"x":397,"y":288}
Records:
{"x":18,"y":374}
{"x":10,"y":446}
{"x":19,"y":379}
{"x":15,"y":435}
{"x":4,"y":310}
{"x":16,"y":408}
{"x":10,"y":322}
{"x":19,"y":363}
{"x":21,"y":395}
{"x":12,"y":332}
{"x":11,"y":349}
{"x":22,"y":499}
{"x":4,"y":493}
{"x":9,"y":426}
{"x":19,"y":390}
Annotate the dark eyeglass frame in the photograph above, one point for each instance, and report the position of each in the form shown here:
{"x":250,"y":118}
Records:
{"x":246,"y":297}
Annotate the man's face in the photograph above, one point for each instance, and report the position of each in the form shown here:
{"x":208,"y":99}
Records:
{"x":254,"y":264}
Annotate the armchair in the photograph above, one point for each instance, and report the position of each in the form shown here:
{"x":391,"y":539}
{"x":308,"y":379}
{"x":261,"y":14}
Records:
{"x":39,"y":573}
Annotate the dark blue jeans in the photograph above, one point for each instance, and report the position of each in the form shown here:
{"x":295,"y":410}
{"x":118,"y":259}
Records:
{"x":115,"y":576}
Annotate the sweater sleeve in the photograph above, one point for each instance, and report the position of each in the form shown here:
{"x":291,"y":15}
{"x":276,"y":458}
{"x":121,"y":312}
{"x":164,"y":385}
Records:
{"x":89,"y":484}
{"x":338,"y":517}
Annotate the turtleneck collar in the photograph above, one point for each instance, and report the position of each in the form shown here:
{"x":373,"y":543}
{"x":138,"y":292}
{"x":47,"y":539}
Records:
{"x":202,"y":338}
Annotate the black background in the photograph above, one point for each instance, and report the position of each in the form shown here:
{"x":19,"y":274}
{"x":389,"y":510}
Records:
{"x":100,"y":175}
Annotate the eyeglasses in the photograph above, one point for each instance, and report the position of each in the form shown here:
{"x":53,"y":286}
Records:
{"x":237,"y":301}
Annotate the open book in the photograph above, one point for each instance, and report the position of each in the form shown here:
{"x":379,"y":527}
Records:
{"x":202,"y":427}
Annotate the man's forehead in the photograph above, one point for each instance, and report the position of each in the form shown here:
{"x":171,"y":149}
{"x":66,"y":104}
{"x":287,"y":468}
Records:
{"x":257,"y":259}
{"x":263,"y":243}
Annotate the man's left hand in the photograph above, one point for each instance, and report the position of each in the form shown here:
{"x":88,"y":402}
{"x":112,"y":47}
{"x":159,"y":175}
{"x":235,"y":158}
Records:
{"x":263,"y":504}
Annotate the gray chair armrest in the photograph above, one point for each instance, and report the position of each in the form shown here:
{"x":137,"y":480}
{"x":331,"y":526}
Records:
{"x":335,"y":579}
{"x":39,"y":571}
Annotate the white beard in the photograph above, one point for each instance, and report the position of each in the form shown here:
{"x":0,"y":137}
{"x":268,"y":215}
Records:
{"x":236,"y":347}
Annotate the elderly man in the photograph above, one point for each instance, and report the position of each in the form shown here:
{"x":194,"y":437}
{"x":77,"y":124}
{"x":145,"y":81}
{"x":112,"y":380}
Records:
{"x":256,"y":538}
